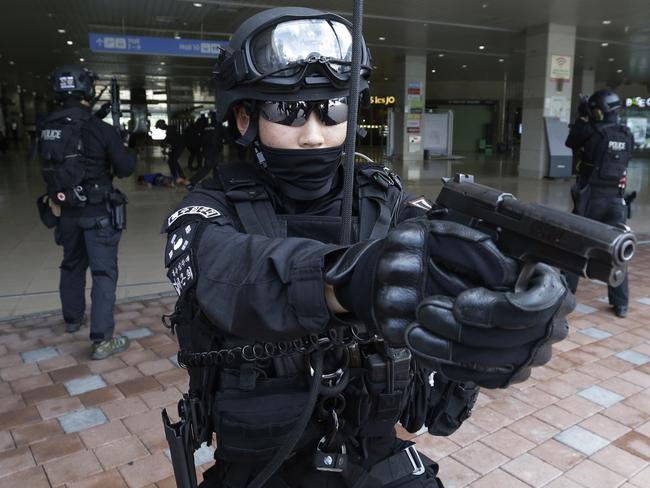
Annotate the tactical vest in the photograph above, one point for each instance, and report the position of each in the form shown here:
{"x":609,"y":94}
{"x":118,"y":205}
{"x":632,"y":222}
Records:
{"x":610,"y":154}
{"x":71,"y":178}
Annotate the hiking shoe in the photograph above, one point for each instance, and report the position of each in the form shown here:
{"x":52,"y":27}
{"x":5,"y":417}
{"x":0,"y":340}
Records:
{"x":75,"y":326}
{"x":104,"y":349}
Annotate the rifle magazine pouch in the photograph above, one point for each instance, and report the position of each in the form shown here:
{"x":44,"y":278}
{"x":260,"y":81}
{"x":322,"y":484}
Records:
{"x":45,"y":212}
{"x":253,"y":423}
{"x":182,"y":452}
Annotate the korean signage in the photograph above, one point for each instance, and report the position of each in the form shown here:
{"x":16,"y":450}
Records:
{"x":195,"y":48}
{"x":561,"y":67}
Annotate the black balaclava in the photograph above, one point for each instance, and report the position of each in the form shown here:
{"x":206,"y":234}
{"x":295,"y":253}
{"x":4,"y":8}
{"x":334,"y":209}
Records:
{"x":302,"y":174}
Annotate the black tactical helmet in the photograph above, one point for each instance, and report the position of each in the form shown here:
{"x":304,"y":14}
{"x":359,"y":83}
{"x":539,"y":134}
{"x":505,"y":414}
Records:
{"x":161,"y":124}
{"x":287,"y":54}
{"x":72,"y":79}
{"x":604,"y":102}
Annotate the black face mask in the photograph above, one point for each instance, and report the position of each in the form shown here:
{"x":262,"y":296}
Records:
{"x":303,"y":174}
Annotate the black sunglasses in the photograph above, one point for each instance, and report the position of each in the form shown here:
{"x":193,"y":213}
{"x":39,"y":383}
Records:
{"x":295,"y":114}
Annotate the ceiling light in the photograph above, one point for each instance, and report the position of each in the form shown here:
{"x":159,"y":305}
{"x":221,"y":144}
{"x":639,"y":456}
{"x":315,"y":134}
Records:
{"x":69,"y":43}
{"x":607,"y":22}
{"x":11,"y":63}
{"x":619,"y":71}
{"x":385,"y":79}
{"x":162,"y":63}
{"x":177,"y":36}
{"x":501,"y":60}
{"x":604,"y":44}
{"x":464,"y":66}
{"x":61,"y":31}
{"x":382,"y":38}
{"x":159,"y":69}
{"x":441,"y":55}
{"x":197,"y":4}
{"x":611,"y":60}
{"x":481,"y":47}
{"x":485,"y":5}
{"x":81,"y":59}
{"x":433,"y":70}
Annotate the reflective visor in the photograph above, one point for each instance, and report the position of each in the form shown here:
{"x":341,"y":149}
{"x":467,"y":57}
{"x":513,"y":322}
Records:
{"x":296,"y":41}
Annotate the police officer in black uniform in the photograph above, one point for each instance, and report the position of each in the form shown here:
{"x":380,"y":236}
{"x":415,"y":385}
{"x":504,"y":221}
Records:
{"x":603,"y":148}
{"x":211,"y":148}
{"x":176,"y":144}
{"x":303,"y":353}
{"x":81,"y":155}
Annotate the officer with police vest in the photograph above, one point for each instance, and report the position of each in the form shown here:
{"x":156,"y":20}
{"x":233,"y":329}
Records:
{"x":80,"y":156}
{"x":304,"y":353}
{"x":603,"y":148}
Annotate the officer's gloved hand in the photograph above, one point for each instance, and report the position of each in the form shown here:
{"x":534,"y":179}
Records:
{"x":383,"y":281}
{"x":492,"y":338}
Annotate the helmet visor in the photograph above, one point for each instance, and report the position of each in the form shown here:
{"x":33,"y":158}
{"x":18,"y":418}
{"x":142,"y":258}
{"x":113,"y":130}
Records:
{"x":283,"y":49}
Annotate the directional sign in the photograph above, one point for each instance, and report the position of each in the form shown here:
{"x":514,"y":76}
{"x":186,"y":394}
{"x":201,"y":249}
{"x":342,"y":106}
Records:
{"x":194,"y":48}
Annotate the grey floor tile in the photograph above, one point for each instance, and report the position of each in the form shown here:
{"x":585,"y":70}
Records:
{"x":603,"y":300}
{"x":78,"y":386}
{"x":582,"y":308}
{"x":582,"y":440}
{"x":644,"y":300}
{"x":601,"y":396}
{"x":137,"y":333}
{"x":595,"y":333}
{"x":39,"y":354}
{"x":82,"y":419}
{"x":633,"y":357}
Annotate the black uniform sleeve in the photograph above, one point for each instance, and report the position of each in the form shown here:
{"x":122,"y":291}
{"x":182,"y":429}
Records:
{"x":121,"y":158}
{"x":250,"y":286}
{"x":579,"y":133}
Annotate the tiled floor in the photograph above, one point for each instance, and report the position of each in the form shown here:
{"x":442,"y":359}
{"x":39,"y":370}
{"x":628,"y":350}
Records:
{"x":581,"y":421}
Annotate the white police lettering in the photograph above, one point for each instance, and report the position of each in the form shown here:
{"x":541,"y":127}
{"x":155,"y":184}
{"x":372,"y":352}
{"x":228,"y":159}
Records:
{"x":617,"y":146}
{"x":205,"y":212}
{"x":181,"y":275}
{"x":421,"y":202}
{"x":50,"y":134}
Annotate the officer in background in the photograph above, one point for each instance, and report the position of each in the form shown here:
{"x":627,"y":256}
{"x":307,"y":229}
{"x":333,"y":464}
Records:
{"x":211,"y":148}
{"x":303,"y":353}
{"x":603,"y":148}
{"x":80,"y":155}
{"x":174,"y":141}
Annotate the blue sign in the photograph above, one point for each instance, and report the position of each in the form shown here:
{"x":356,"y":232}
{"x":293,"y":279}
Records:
{"x":194,"y":48}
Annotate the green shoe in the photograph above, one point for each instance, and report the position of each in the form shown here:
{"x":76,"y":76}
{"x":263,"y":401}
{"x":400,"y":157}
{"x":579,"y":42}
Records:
{"x":104,"y":349}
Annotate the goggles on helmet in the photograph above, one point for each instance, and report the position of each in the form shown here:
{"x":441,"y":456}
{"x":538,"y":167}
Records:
{"x":286,"y":55}
{"x":295,"y":114}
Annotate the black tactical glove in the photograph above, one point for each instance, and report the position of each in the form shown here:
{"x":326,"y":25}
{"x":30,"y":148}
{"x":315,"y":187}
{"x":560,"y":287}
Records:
{"x":492,"y":338}
{"x":103,"y":111}
{"x":382,"y":282}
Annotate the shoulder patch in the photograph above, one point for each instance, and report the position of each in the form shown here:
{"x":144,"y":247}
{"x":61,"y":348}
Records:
{"x":179,"y":242}
{"x":182,"y":274}
{"x":205,"y":212}
{"x":422,"y":202}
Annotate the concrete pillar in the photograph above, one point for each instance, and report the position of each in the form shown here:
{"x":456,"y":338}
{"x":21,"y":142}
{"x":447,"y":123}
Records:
{"x":409,"y":113}
{"x":544,"y":96}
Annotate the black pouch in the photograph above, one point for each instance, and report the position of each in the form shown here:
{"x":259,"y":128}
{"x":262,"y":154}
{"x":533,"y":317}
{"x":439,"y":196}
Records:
{"x":253,"y":424}
{"x":117,"y":205}
{"x":450,"y":404}
{"x":45,"y":212}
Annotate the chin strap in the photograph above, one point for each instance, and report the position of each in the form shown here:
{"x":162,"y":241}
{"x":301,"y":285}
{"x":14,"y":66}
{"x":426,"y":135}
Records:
{"x":251,"y":132}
